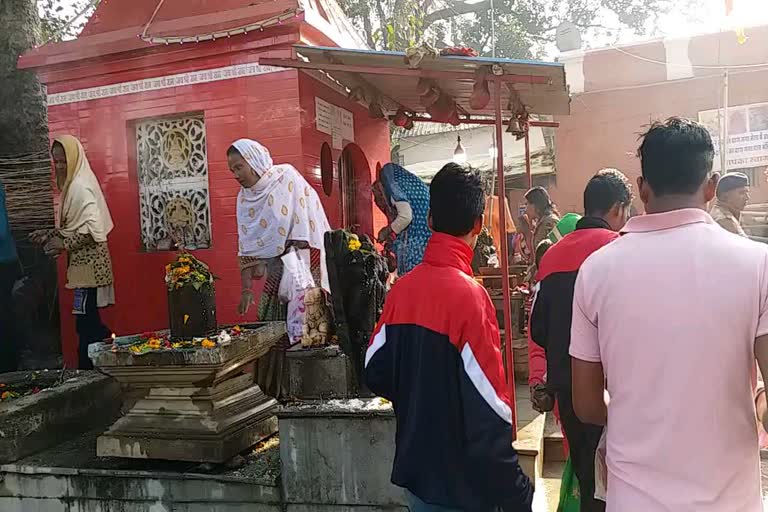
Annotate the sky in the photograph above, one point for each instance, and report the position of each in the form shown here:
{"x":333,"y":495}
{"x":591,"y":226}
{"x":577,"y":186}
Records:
{"x":708,"y":16}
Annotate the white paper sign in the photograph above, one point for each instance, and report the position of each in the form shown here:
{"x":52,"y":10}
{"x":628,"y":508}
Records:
{"x":334,"y":121}
{"x":323,"y":116}
{"x":747,"y":135}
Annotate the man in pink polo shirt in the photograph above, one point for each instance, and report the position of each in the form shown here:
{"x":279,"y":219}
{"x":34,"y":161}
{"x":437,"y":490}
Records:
{"x":681,"y":431}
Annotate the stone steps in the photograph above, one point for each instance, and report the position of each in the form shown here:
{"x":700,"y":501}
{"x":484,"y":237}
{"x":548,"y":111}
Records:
{"x":554,"y":446}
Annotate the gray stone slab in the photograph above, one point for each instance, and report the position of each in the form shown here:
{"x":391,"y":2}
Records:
{"x":225,"y":507}
{"x":318,"y":373}
{"x":33,"y":489}
{"x":321,"y":446}
{"x":34,"y":486}
{"x":217,"y":449}
{"x":35,"y":422}
{"x":39,"y":505}
{"x":241,"y":347}
{"x":343,"y":508}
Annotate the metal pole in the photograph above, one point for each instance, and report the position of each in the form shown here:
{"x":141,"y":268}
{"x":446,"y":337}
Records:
{"x":528,"y":156}
{"x":534,"y":123}
{"x":493,"y":31}
{"x":724,"y":145}
{"x":506,"y":294}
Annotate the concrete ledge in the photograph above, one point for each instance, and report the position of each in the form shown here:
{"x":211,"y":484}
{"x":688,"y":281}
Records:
{"x":338,"y":455}
{"x":343,"y":508}
{"x":349,"y":408}
{"x":58,"y":505}
{"x":33,"y":423}
{"x":25,"y":489}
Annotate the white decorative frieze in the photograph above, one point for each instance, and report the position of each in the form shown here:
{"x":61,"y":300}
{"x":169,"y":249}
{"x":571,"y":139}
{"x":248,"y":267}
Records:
{"x":159,"y":83}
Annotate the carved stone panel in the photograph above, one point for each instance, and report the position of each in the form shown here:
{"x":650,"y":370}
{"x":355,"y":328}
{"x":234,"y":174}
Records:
{"x":173,"y":183}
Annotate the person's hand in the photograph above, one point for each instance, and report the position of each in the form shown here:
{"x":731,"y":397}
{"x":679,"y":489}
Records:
{"x":384,"y":234}
{"x":541,"y":400}
{"x":246,"y":301}
{"x":53,"y":246}
{"x":39,"y":237}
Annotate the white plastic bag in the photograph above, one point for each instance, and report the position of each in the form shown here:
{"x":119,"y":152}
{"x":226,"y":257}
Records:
{"x":296,"y":279}
{"x":296,"y":274}
{"x":601,"y":470}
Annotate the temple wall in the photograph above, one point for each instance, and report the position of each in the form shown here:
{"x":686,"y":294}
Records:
{"x":270,"y":107}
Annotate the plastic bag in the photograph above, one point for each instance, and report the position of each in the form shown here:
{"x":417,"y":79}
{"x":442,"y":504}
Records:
{"x":297,"y":276}
{"x":570,"y":500}
{"x":295,"y":281}
{"x":601,"y":469}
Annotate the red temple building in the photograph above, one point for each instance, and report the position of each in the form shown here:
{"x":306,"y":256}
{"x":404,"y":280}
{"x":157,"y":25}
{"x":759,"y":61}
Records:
{"x":157,"y":92}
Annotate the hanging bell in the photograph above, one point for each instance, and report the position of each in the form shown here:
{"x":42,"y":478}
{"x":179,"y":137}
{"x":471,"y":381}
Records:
{"x":516,"y":128}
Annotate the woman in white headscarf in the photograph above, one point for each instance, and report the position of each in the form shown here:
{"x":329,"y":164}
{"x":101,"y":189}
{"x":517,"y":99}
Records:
{"x":276,"y":210}
{"x":82,"y":226}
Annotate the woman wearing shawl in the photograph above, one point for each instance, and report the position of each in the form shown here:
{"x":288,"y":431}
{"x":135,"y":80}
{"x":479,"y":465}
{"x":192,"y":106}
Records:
{"x":404,"y":192}
{"x":82,"y":227}
{"x":276,"y":210}
{"x":542,"y":211}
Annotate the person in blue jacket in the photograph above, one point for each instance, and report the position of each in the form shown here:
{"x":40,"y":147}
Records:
{"x":9,"y":271}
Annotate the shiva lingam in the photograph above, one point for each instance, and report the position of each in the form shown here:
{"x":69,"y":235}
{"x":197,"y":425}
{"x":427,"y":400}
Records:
{"x":188,"y":401}
{"x":189,"y":394}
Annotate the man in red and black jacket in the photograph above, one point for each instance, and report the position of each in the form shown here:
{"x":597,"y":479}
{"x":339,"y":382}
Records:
{"x":607,"y":200}
{"x":435,"y":355}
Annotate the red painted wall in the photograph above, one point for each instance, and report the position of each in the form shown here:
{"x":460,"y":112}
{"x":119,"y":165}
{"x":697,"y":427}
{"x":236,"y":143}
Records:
{"x":277,"y":109}
{"x":371,"y":136}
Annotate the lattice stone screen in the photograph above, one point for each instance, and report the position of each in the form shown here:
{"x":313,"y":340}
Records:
{"x":173,"y":183}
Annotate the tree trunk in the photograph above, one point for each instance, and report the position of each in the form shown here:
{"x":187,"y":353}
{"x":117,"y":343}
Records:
{"x":23,"y":116}
{"x":25,"y":171}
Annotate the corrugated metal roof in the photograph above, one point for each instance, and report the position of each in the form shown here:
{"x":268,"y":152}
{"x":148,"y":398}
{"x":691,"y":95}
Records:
{"x":539,"y":86}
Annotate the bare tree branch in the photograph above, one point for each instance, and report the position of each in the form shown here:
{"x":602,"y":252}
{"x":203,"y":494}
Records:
{"x":455,"y":9}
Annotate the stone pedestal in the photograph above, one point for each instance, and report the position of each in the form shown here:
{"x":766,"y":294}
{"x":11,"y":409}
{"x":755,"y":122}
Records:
{"x":318,"y":373}
{"x":190,"y":405}
{"x":337,"y":455}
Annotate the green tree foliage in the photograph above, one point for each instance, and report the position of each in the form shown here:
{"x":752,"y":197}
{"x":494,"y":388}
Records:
{"x":523,"y":28}
{"x":63,"y":19}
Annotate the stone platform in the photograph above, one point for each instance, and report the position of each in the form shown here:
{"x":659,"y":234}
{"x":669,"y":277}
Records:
{"x":190,"y":405}
{"x":35,"y":422}
{"x":337,"y":456}
{"x":70,"y":478}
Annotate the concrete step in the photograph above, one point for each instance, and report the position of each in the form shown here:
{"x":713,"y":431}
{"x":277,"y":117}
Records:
{"x":554,"y":446}
{"x":530,"y":434}
{"x":547,"y":494}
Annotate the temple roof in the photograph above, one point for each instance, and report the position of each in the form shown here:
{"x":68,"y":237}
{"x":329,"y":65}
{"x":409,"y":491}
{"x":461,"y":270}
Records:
{"x":126,"y":25}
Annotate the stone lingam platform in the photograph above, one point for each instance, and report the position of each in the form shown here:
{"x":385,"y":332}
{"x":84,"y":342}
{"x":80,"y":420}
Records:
{"x":193,"y":404}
